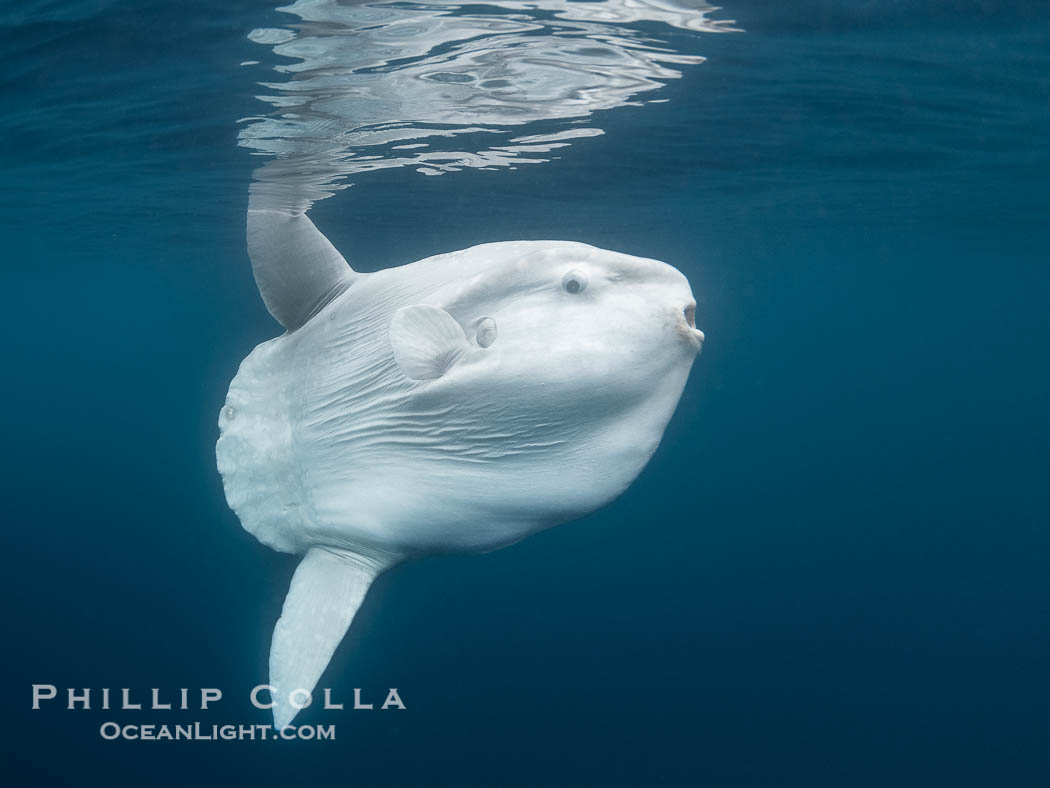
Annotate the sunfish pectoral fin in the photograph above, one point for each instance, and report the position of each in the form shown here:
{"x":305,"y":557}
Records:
{"x":326,"y":591}
{"x":296,"y":268}
{"x":426,"y":341}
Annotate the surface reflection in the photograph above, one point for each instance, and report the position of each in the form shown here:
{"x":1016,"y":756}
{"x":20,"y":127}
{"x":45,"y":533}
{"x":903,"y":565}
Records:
{"x":441,"y":86}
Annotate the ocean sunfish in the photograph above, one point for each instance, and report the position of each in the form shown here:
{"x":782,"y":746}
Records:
{"x":456,"y":404}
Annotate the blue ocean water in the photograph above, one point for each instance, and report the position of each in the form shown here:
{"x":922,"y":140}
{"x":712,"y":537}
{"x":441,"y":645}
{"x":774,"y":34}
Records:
{"x":834,"y":570}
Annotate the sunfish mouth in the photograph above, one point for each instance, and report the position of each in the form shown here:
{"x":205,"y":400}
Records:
{"x":689,"y":313}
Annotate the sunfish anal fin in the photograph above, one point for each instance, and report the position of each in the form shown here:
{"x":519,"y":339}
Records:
{"x":326,"y":591}
{"x":426,"y":341}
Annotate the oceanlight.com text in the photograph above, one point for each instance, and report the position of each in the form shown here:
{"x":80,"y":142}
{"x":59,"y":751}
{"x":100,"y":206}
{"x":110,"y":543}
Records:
{"x":207,"y":732}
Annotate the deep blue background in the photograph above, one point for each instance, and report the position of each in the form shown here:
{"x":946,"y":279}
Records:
{"x":834,"y":571}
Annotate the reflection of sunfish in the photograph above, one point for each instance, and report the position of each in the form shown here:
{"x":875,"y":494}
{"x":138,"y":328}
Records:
{"x":457,"y":404}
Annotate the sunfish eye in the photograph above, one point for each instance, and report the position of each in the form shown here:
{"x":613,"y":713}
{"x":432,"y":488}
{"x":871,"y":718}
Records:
{"x":486,"y":331}
{"x":574,"y":282}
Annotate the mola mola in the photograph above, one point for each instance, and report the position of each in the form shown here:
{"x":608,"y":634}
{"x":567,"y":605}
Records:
{"x":456,"y":404}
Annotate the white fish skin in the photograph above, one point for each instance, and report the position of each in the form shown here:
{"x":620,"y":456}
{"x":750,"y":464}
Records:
{"x":382,"y":428}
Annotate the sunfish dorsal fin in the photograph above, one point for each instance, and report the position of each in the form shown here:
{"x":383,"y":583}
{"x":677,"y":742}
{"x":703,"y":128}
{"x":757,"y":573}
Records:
{"x":326,"y":591}
{"x":426,"y":340}
{"x":296,"y":268}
